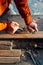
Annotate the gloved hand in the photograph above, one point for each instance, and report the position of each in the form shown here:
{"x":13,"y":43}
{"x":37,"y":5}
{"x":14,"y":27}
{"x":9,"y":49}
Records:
{"x":32,"y":27}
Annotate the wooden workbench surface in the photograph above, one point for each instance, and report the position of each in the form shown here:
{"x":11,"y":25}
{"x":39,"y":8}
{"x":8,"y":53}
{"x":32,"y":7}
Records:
{"x":22,"y":35}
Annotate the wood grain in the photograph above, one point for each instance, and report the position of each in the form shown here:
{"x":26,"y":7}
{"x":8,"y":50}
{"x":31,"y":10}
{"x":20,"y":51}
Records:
{"x":10,"y":53}
{"x":9,"y":59}
{"x":5,"y":45}
{"x":23,"y":35}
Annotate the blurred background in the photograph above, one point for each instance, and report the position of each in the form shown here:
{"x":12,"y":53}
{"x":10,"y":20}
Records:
{"x":36,"y":7}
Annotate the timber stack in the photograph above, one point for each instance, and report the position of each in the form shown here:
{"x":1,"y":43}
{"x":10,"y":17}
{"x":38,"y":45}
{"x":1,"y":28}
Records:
{"x":7,"y":54}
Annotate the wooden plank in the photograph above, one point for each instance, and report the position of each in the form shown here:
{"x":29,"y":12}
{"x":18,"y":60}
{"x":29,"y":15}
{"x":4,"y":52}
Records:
{"x":5,"y":45}
{"x":23,"y":35}
{"x":9,"y":59}
{"x":10,"y":53}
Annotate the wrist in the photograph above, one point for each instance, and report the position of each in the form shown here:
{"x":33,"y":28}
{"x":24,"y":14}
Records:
{"x":28,"y":20}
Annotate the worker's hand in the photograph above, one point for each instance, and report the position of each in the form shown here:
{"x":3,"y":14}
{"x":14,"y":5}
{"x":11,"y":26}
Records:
{"x":12,"y":27}
{"x":32,"y":27}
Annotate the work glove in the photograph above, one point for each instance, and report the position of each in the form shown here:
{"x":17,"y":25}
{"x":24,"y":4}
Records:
{"x":32,"y":27}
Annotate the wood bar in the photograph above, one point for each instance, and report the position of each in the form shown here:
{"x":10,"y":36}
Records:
{"x":9,"y":59}
{"x":10,"y":53}
{"x":22,"y":35}
{"x":5,"y":45}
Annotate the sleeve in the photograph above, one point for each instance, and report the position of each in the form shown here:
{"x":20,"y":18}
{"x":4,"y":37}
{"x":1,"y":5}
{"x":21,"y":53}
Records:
{"x":23,"y":8}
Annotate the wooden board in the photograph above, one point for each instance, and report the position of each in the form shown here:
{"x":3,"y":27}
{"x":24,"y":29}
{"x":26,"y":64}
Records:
{"x":10,"y":53}
{"x":5,"y":45}
{"x":22,"y":35}
{"x":9,"y":59}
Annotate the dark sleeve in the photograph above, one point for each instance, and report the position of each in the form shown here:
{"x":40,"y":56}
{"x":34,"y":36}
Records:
{"x":23,"y":8}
